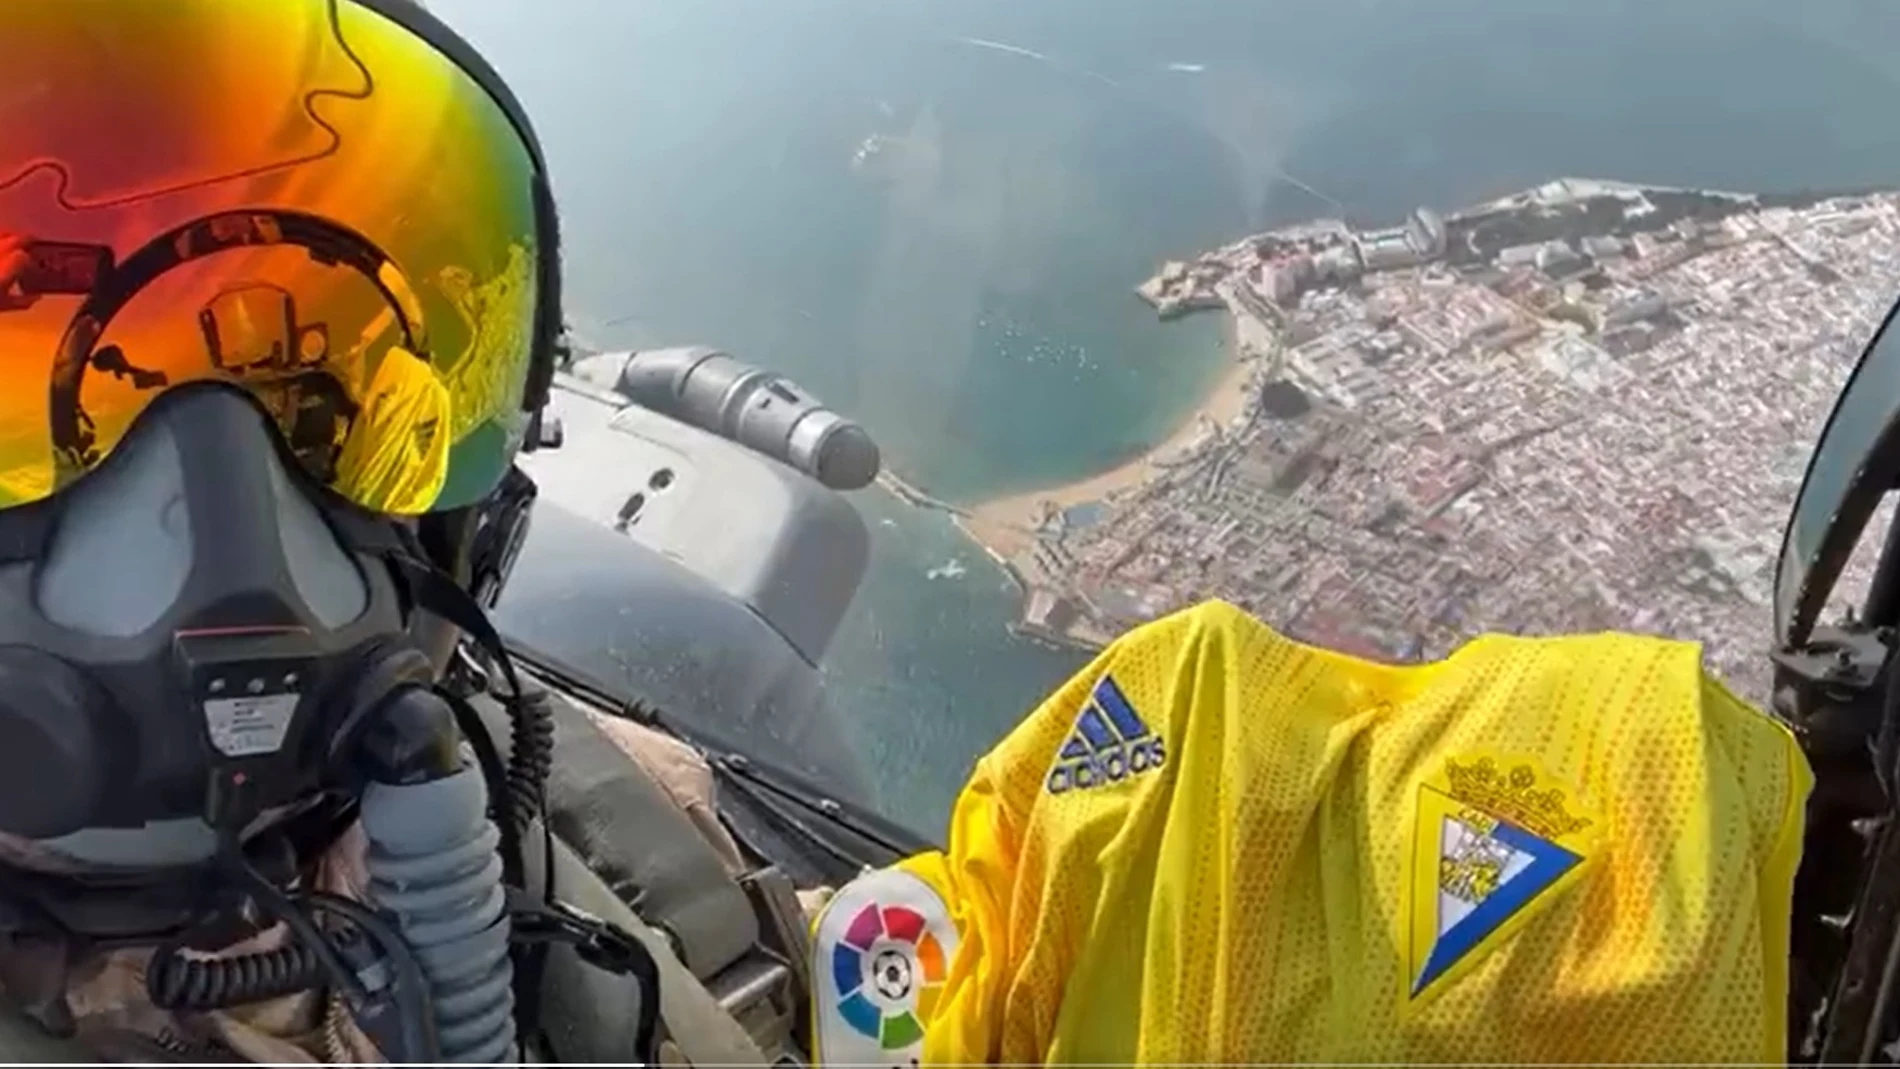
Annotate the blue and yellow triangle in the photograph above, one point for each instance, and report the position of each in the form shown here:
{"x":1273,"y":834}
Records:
{"x":1473,"y":881}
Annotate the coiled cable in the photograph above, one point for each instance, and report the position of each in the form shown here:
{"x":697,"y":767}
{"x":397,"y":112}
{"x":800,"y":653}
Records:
{"x":530,"y":755}
{"x":307,"y":959}
{"x":176,"y":982}
{"x":310,"y":959}
{"x":520,"y":793}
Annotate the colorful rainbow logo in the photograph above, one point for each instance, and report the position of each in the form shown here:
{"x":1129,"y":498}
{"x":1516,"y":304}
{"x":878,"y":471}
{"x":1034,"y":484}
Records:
{"x":889,"y":972}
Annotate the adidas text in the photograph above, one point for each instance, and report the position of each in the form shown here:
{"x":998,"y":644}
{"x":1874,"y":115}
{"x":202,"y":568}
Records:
{"x":1112,"y":766}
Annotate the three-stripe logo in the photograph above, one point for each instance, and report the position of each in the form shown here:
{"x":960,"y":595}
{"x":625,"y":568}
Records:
{"x":1110,"y":743}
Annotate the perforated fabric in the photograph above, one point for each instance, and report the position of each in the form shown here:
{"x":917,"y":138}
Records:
{"x":1538,"y":850}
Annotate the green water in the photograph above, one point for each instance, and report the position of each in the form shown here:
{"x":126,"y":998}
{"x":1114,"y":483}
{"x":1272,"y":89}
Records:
{"x":971,"y":302}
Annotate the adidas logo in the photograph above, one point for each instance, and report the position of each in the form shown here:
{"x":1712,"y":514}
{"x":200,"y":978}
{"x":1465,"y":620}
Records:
{"x":1110,"y":743}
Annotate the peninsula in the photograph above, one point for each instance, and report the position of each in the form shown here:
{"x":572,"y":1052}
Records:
{"x":1586,"y":406}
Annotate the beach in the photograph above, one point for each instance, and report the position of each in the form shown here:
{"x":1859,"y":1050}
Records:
{"x":1005,"y":526}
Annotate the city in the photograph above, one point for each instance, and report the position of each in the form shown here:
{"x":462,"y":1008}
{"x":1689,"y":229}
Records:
{"x":1584,"y":407}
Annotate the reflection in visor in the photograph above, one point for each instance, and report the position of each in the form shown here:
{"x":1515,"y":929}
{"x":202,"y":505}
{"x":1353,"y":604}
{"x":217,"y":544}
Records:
{"x":321,"y":209}
{"x":159,"y":77}
{"x":248,"y":331}
{"x":252,"y":334}
{"x":253,"y":329}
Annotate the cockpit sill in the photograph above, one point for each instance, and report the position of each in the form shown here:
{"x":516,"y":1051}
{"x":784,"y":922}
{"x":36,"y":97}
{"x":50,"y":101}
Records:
{"x":785,"y":817}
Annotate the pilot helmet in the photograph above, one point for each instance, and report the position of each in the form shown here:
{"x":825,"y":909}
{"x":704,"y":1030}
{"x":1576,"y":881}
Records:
{"x":279,"y":291}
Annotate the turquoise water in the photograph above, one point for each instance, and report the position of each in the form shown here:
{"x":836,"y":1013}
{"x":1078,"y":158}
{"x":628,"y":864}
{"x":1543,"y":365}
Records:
{"x":968,"y":296}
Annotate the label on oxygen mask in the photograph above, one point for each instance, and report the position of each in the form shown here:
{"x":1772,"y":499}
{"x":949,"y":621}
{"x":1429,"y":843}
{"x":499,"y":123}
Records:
{"x":249,"y":725}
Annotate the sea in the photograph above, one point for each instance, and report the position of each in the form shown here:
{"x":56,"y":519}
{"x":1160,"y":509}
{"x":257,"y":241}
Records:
{"x":962,"y":284}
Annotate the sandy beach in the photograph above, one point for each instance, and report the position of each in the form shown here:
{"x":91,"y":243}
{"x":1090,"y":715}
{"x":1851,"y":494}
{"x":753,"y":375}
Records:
{"x":1005,"y":525}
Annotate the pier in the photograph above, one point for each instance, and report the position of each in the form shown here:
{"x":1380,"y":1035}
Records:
{"x":917,"y":498}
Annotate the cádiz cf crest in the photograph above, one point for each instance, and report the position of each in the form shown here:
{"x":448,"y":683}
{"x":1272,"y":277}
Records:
{"x":1494,"y":839}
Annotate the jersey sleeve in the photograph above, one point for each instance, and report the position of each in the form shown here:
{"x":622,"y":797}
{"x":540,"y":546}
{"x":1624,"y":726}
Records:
{"x":961,"y":903}
{"x":1007,"y":899}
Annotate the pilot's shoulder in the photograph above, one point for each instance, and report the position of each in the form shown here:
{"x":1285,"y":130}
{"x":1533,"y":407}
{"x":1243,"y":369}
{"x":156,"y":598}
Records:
{"x":623,"y":773}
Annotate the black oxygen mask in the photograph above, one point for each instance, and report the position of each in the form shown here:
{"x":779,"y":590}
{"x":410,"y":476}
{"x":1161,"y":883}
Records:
{"x":200,"y":649}
{"x":186,"y":633}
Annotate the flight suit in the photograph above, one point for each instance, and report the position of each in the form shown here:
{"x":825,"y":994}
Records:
{"x":105,"y":996}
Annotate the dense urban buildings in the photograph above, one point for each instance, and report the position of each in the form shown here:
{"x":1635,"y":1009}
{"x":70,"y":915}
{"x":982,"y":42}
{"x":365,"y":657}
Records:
{"x":1584,"y":407}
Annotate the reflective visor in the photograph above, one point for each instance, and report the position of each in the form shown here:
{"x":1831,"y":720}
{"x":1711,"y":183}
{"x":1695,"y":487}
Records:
{"x":299,"y":197}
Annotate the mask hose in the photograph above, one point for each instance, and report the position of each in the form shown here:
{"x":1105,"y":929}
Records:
{"x":435,"y":872}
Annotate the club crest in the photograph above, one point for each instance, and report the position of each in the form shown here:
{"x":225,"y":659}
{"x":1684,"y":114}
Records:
{"x":1493,"y":840}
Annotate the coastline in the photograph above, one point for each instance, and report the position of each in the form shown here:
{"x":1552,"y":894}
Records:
{"x":1315,"y":312}
{"x":1005,"y":526}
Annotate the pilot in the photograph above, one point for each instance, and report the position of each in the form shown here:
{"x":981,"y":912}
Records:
{"x":234,"y":552}
{"x":1215,"y":845}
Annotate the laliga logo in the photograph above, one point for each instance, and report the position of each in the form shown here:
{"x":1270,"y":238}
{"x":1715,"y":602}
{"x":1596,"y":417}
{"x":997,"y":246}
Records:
{"x":1110,"y":743}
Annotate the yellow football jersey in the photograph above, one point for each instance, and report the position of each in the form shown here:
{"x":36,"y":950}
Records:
{"x":1218,"y":845}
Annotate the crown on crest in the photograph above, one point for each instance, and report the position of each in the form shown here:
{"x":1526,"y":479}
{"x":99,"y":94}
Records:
{"x":1513,"y":797}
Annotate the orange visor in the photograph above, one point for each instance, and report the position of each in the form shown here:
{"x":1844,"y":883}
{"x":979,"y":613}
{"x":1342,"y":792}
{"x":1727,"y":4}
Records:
{"x":298,"y":197}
